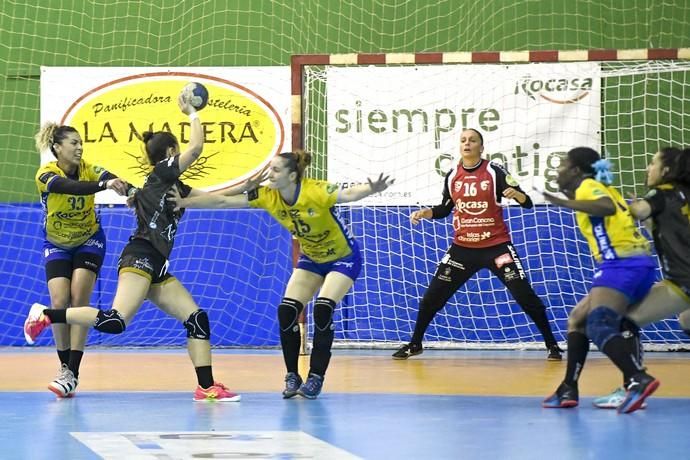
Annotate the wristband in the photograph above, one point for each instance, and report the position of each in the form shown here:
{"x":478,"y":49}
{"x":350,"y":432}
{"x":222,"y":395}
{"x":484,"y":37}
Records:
{"x":193,"y":116}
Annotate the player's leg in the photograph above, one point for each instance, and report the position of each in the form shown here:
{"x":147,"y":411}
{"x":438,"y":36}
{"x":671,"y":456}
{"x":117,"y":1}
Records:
{"x":172,"y":297}
{"x":335,"y":285}
{"x":59,"y":274}
{"x":506,"y":265}
{"x":612,"y":294}
{"x":301,"y":288}
{"x":65,"y":384}
{"x":135,"y":275}
{"x":665,"y":300}
{"x":86,"y":264}
{"x":567,"y":395}
{"x":455,"y":268}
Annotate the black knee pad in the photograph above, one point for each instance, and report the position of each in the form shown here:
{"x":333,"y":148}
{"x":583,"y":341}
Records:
{"x":288,"y":313}
{"x":197,"y":326}
{"x":323,"y":314}
{"x":110,"y":322}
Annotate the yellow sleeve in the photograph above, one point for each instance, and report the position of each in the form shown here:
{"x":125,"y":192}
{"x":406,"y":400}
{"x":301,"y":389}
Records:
{"x":590,"y":190}
{"x":43,"y":177}
{"x":328,"y":193}
{"x":92,"y":172}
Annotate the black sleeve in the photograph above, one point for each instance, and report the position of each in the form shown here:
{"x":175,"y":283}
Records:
{"x":75,"y":187}
{"x":656,"y":200}
{"x":184,"y":189}
{"x":503,"y":181}
{"x":253,"y":194}
{"x":446,"y":207}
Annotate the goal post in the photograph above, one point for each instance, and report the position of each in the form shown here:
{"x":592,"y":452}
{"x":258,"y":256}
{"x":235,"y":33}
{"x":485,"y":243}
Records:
{"x":401,"y":113}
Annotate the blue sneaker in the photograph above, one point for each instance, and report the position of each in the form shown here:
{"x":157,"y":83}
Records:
{"x":292,"y":383}
{"x":639,"y":388}
{"x":613,"y":400}
{"x":565,"y":396}
{"x":312,"y":387}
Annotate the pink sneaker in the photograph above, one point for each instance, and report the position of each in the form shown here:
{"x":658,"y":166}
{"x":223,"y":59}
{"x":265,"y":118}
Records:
{"x":35,"y":322}
{"x":216,"y":392}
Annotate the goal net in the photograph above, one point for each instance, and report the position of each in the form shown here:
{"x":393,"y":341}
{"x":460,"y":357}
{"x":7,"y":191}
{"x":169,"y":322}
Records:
{"x":402,"y":115}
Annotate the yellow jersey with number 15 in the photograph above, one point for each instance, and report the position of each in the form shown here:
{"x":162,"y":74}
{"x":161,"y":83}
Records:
{"x":609,"y":237}
{"x":312,"y":219}
{"x":69,"y":220}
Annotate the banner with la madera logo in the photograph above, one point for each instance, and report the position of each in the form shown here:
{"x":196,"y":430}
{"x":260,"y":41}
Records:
{"x":406,"y":121}
{"x":245,"y":123}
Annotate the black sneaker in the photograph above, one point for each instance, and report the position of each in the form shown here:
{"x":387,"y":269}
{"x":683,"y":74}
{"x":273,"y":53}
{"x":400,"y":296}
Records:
{"x":312,"y":387}
{"x":565,"y":396}
{"x":292,"y":383}
{"x":554,"y":353}
{"x":639,"y":387}
{"x":411,"y":349}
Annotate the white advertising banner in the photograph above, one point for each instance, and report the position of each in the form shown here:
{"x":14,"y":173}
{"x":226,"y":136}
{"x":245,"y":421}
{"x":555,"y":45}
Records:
{"x":246,"y":121}
{"x":406,"y":121}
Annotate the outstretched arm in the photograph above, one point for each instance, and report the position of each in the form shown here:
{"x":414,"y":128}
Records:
{"x":600,"y":207}
{"x":199,"y":199}
{"x":249,"y":184}
{"x":364,"y":190}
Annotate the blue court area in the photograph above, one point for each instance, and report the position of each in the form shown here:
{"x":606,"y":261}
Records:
{"x":374,"y":426}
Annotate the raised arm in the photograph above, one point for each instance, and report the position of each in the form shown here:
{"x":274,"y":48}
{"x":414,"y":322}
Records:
{"x":364,"y":190}
{"x":196,"y":138}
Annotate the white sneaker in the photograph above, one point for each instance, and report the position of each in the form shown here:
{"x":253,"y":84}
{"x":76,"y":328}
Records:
{"x":64,"y":384}
{"x":612,"y":400}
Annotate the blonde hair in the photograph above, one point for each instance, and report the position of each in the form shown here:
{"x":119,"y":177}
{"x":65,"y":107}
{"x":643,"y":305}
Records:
{"x":51,"y":133}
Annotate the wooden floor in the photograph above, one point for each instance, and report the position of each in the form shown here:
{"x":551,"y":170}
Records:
{"x":442,"y":372}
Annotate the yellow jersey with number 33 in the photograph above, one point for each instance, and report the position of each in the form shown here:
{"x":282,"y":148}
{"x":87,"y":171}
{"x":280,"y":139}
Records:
{"x":609,"y":237}
{"x":312,"y":218}
{"x":69,"y":220}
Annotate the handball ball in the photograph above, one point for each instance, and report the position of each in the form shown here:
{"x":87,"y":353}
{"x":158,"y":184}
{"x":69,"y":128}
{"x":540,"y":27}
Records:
{"x":197,"y":94}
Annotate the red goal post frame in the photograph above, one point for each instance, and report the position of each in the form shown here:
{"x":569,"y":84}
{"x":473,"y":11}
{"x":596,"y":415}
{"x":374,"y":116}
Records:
{"x":298,"y":61}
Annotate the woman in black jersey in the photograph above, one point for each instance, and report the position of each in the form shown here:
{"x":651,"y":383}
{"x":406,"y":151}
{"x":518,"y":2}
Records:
{"x":143,"y":265}
{"x":667,"y":208}
{"x":472,"y":192}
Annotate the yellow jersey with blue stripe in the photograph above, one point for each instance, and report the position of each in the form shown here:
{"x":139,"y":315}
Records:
{"x":69,"y":220}
{"x":609,"y":237}
{"x":312,"y":219}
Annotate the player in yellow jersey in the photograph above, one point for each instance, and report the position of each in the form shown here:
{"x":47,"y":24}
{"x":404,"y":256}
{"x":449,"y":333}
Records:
{"x":329,"y":261}
{"x":667,"y":207}
{"x":624,"y":275}
{"x":74,"y":245}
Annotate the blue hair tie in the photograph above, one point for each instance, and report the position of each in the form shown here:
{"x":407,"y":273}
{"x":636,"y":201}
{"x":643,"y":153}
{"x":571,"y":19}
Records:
{"x":602,"y":171}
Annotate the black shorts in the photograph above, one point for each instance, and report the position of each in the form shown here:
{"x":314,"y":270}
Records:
{"x":140,"y":257}
{"x":63,"y":268}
